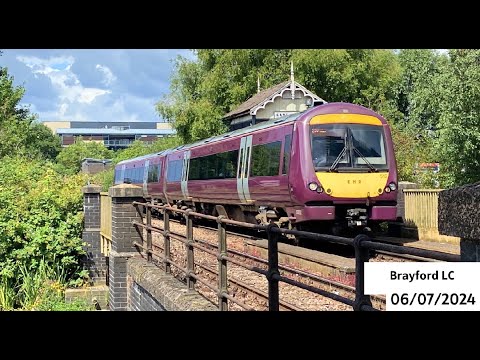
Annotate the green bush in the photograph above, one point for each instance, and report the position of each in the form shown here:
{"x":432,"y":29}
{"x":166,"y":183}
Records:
{"x":41,"y":218}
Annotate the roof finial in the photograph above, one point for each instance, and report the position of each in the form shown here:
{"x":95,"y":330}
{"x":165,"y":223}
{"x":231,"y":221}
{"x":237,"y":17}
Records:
{"x":292,"y":81}
{"x":258,"y":83}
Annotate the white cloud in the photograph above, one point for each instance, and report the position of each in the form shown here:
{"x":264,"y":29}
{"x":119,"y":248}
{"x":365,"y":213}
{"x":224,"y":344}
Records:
{"x":109,"y":78}
{"x":93,"y":85}
{"x":67,"y":84}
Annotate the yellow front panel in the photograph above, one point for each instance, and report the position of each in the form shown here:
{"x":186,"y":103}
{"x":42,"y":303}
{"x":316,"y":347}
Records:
{"x":345,"y":119}
{"x":353,"y":185}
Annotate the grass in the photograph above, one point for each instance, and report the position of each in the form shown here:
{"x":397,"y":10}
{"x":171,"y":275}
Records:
{"x":42,"y":290}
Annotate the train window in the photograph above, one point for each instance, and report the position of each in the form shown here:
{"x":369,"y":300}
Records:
{"x":153,"y":173}
{"x":128,"y":176}
{"x":215,"y":166}
{"x":174,"y":172}
{"x":286,"y":153}
{"x":266,"y":159}
{"x":118,"y":174}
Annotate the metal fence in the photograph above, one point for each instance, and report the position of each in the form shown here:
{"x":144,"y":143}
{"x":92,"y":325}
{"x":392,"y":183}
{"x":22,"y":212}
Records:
{"x":105,"y":223}
{"x":361,"y":244}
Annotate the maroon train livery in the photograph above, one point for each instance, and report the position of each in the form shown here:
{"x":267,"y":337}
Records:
{"x":330,"y":167}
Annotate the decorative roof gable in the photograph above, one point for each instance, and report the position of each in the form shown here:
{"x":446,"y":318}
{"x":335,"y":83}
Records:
{"x":261,"y":99}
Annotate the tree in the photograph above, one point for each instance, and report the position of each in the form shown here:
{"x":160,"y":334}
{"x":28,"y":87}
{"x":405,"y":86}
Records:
{"x":42,"y":140}
{"x":410,"y":151}
{"x":458,"y":144}
{"x":19,"y":132}
{"x":417,"y":91}
{"x":202,"y":91}
{"x":14,"y":119}
{"x":69,"y":160}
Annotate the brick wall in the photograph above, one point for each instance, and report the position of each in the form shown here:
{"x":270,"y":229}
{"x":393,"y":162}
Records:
{"x":123,"y":236}
{"x":151,"y":289}
{"x":141,"y":300}
{"x":94,"y":260}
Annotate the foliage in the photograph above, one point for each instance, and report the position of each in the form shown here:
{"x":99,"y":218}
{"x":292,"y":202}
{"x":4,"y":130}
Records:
{"x":417,"y":92}
{"x":43,"y":141}
{"x":411,"y":150}
{"x":203,"y":91}
{"x":458,"y":143}
{"x":42,"y":289}
{"x":19,"y":132}
{"x":40,"y":218}
{"x":69,"y":160}
{"x":361,"y":76}
{"x":7,"y":293}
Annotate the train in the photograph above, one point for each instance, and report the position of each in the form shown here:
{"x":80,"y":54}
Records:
{"x":328,"y":169}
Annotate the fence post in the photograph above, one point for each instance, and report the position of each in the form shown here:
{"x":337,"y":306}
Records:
{"x":273,"y":291}
{"x":361,"y":257}
{"x":123,"y":236}
{"x":190,"y":260}
{"x":222,"y":264}
{"x":166,"y":241}
{"x":149,"y":232}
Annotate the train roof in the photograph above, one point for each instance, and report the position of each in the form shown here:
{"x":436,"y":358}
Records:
{"x":217,"y":138}
{"x":143,"y":157}
{"x":243,"y":131}
{"x":336,"y":107}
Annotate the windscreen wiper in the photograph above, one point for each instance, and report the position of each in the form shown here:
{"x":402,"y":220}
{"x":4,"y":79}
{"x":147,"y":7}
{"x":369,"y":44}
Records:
{"x":337,"y":160}
{"x":372,"y":168}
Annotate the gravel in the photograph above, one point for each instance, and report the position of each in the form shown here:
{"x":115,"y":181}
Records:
{"x":299,"y":298}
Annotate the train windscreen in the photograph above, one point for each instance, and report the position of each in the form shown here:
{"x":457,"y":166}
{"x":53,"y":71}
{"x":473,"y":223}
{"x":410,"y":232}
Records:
{"x":348,"y":147}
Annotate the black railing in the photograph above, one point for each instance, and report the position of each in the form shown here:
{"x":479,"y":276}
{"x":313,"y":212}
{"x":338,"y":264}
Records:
{"x":361,"y":244}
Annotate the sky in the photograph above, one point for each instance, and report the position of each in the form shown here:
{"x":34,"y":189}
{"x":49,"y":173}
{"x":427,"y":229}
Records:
{"x":92,"y":85}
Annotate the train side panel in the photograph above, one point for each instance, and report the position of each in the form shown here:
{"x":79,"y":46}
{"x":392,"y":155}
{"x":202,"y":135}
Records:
{"x":212,"y":175}
{"x":268,"y":175}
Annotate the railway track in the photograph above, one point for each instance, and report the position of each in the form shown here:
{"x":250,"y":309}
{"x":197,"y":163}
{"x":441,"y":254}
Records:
{"x":384,"y":255}
{"x":310,"y":279}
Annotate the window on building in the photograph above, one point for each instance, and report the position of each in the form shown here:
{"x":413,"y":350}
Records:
{"x":174,"y":171}
{"x":266,"y":159}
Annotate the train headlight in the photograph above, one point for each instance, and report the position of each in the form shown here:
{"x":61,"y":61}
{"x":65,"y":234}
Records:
{"x":320,"y":190}
{"x":392,"y":186}
{"x":387,"y":189}
{"x":313,"y":186}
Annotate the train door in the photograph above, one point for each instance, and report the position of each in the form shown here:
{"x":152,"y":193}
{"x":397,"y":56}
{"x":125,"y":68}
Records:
{"x":185,"y":166}
{"x":145,"y":178}
{"x":244,"y":157}
{"x":268,"y":179}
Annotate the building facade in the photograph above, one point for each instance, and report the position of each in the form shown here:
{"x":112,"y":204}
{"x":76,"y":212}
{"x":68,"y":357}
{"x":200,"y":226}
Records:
{"x":114,"y":135}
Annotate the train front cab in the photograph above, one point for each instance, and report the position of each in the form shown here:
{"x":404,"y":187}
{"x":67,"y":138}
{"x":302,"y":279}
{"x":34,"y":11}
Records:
{"x":351,"y":170}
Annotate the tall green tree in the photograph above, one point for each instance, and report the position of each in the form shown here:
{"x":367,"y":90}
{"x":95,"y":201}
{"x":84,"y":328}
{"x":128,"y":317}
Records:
{"x":14,"y":119}
{"x":458,"y":143}
{"x":417,"y":92}
{"x":219,"y":80}
{"x":19,"y":132}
